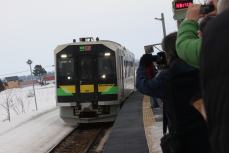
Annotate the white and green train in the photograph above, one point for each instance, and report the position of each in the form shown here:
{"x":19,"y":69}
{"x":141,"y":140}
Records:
{"x":93,"y":78}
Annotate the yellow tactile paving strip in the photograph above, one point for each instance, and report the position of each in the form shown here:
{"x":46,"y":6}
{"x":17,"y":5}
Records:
{"x":148,"y":119}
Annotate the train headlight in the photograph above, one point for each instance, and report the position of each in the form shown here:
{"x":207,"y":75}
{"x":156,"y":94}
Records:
{"x":107,"y":54}
{"x":69,"y":78}
{"x":63,"y":55}
{"x":103,"y":76}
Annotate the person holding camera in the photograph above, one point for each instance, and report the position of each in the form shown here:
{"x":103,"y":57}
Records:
{"x":188,"y":43}
{"x":213,"y":63}
{"x":178,"y":87}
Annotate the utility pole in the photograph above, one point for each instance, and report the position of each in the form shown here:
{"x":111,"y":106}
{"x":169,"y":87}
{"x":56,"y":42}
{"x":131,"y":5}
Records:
{"x":162,"y":19}
{"x":29,"y":62}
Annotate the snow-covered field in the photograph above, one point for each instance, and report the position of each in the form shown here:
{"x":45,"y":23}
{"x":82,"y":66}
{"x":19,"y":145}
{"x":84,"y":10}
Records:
{"x":18,"y":104}
{"x":36,"y":136}
{"x":28,"y":130}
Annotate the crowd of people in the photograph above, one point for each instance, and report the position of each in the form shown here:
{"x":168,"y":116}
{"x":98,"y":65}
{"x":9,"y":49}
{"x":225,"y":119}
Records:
{"x":194,"y":85}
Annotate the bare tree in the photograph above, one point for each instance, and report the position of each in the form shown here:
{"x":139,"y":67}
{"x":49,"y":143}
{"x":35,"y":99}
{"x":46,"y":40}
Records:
{"x":15,"y":108}
{"x":20,"y":102}
{"x":7,"y":103}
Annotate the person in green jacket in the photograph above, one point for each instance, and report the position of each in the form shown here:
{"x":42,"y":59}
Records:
{"x":188,"y":43}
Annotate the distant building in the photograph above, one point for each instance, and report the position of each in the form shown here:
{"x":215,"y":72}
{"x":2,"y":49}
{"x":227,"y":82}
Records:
{"x":49,"y":78}
{"x":12,"y":82}
{"x":27,"y":83}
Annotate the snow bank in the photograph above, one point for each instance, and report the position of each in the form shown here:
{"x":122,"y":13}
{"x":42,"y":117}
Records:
{"x":21,"y":106}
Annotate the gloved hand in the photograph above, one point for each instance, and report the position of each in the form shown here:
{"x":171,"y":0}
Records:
{"x":146,"y":60}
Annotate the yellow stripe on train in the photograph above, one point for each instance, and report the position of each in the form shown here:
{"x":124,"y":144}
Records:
{"x":87,"y":88}
{"x":104,"y":87}
{"x":68,"y":88}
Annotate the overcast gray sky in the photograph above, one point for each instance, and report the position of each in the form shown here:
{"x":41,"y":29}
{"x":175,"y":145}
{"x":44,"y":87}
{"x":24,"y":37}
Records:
{"x":33,"y":28}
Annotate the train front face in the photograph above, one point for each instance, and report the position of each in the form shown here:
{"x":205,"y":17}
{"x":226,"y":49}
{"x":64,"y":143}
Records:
{"x":87,"y":88}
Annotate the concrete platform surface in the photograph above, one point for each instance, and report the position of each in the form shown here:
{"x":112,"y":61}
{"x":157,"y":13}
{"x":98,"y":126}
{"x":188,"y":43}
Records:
{"x":128,"y":134}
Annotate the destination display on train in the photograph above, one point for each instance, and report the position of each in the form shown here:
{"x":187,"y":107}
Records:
{"x":182,"y":4}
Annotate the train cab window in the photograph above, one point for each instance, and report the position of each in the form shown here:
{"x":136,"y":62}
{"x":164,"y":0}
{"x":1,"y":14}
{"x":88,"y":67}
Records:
{"x":65,"y":68}
{"x":106,"y":66}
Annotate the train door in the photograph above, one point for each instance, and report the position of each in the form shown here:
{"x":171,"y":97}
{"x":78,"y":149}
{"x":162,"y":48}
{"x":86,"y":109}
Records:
{"x":121,"y":76}
{"x":87,"y":79}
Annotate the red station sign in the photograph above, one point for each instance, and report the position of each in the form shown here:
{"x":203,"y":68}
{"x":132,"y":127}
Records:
{"x":182,"y":4}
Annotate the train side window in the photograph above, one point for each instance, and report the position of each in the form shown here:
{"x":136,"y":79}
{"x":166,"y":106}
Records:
{"x":128,"y":69}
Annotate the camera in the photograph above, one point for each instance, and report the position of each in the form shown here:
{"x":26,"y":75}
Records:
{"x":205,"y":9}
{"x":160,"y":60}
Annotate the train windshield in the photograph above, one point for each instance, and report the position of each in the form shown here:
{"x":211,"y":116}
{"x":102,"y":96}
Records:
{"x":65,"y":68}
{"x":106,"y":66}
{"x":85,"y":65}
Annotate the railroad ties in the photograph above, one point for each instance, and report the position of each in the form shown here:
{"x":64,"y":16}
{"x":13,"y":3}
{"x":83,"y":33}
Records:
{"x":81,"y":140}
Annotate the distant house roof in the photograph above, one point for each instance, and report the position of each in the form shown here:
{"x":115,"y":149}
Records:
{"x":13,"y":78}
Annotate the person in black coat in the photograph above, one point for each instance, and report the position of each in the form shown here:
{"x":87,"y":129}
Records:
{"x":177,"y":86}
{"x":215,"y":80}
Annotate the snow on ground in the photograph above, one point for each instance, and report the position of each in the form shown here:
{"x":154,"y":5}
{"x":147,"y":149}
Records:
{"x":157,"y":133}
{"x":30,"y":131}
{"x":22,"y":106}
{"x":35,"y":136}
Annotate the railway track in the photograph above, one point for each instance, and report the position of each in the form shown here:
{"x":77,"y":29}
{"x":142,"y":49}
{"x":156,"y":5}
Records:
{"x":81,"y":140}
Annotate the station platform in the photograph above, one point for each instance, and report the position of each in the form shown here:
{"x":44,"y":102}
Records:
{"x":136,"y":129}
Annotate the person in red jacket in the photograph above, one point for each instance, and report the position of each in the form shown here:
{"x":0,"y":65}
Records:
{"x":150,"y":73}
